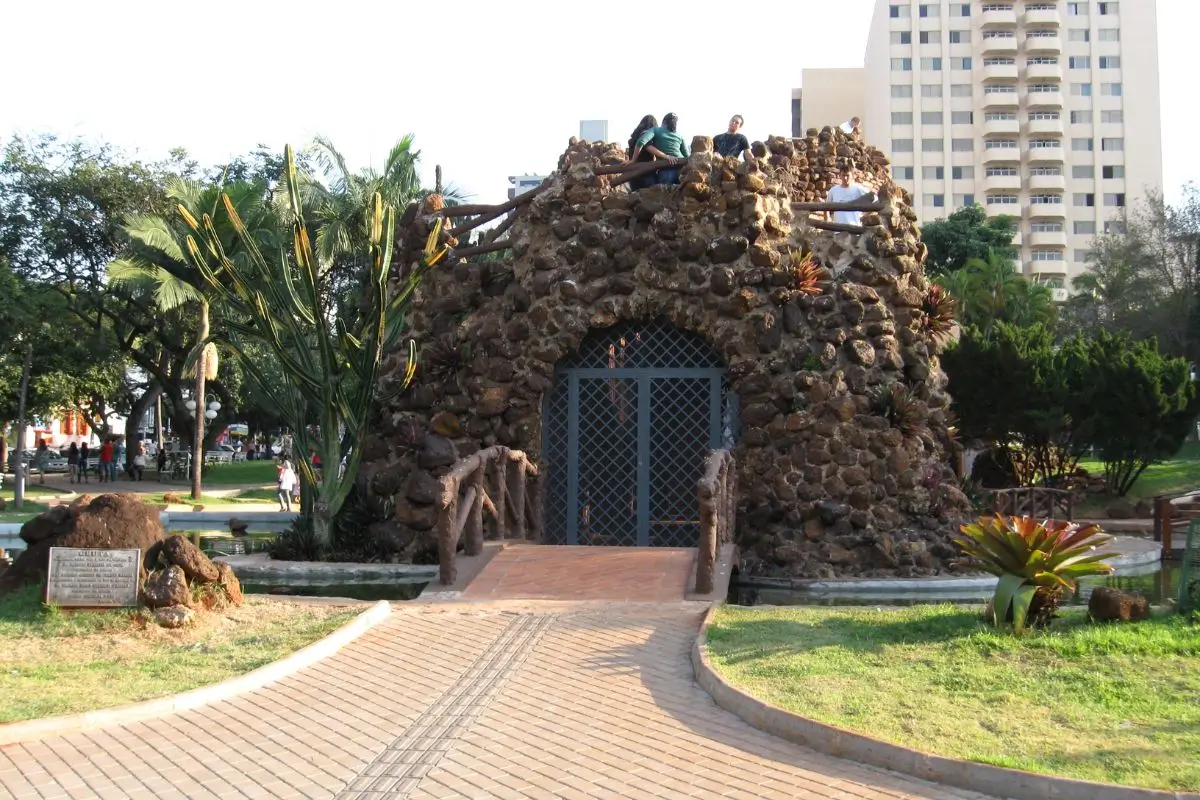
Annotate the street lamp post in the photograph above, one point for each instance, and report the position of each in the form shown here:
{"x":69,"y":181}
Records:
{"x":211,"y":407}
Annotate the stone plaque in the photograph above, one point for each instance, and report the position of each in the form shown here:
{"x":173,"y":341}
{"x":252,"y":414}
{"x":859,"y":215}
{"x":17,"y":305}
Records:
{"x":93,"y":577}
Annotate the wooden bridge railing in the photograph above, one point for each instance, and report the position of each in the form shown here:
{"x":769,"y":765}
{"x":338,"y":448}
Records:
{"x":495,"y":480}
{"x":1035,"y":501}
{"x":717,"y":492}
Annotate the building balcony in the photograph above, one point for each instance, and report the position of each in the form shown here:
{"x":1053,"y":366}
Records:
{"x":1000,"y":46}
{"x":1046,"y":211}
{"x":995,"y":183}
{"x":1048,"y":100}
{"x":1052,"y":183}
{"x":1001,"y":155}
{"x":996,"y":127}
{"x":1046,"y":239}
{"x":1044,"y":45}
{"x":1044,"y":72}
{"x":1003,"y":210}
{"x":1045,"y":155}
{"x":1043,"y":17}
{"x":1000,"y":72}
{"x":1000,"y":100}
{"x":1000,"y":19}
{"x":1053,"y":127}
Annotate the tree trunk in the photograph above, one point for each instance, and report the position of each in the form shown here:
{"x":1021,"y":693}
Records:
{"x":198,"y":438}
{"x":19,"y":467}
{"x":136,"y":412}
{"x":3,"y":445}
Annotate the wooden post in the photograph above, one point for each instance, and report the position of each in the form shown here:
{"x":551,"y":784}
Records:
{"x":447,"y":532}
{"x":473,"y":534}
{"x":706,"y":559}
{"x":498,"y":479}
{"x":516,"y":493}
{"x":534,"y":518}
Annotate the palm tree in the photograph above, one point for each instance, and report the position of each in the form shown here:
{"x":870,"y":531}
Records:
{"x":991,"y":290}
{"x":156,"y":265}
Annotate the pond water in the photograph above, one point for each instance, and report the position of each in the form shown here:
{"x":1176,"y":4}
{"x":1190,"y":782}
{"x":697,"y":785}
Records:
{"x":1160,"y":583}
{"x":359,"y":590}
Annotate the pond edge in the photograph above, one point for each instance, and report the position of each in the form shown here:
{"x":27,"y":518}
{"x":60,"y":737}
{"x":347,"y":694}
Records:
{"x":34,"y":729}
{"x":838,"y":742}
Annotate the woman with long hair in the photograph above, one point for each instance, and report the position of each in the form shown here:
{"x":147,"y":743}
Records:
{"x":648,"y":122}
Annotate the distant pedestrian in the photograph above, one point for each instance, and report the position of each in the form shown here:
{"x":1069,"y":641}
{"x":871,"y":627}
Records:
{"x":107,"y":471}
{"x":84,"y":455}
{"x":73,"y":463}
{"x":118,"y":462}
{"x":41,"y":460}
{"x":286,"y":483}
{"x":139,"y":462}
{"x":732,"y":143}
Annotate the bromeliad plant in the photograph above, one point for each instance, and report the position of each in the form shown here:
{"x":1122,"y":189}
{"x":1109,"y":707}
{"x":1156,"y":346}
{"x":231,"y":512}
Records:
{"x":808,"y":273}
{"x":331,"y":363}
{"x":941,"y":310}
{"x":1035,"y":562}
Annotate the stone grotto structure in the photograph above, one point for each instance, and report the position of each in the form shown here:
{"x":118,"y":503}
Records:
{"x":627,"y":333}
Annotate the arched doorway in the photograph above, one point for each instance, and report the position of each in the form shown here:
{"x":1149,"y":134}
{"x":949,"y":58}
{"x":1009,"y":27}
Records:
{"x":626,"y":428}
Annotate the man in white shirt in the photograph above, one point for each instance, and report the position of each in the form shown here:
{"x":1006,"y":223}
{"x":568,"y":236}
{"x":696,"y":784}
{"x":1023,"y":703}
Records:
{"x":847,"y":192}
{"x":852,"y":126}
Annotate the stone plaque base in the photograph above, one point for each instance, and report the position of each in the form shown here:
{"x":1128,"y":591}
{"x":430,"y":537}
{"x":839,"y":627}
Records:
{"x":93,"y":577}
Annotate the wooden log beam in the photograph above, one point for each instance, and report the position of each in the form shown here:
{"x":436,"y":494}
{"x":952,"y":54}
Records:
{"x":447,"y":532}
{"x":827,"y":206}
{"x":465,"y":506}
{"x":489,"y":213}
{"x":491,"y":247}
{"x":473,"y":533}
{"x":642,"y":168}
{"x":839,"y":227}
{"x":495,"y":232}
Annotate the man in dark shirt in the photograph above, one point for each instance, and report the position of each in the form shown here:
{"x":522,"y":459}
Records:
{"x":732,"y":143}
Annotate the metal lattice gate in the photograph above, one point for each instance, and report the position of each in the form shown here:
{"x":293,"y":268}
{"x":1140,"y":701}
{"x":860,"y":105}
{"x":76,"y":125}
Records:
{"x":626,"y":428}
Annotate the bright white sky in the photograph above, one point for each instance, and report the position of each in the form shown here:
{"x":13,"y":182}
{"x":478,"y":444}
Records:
{"x":490,"y":88}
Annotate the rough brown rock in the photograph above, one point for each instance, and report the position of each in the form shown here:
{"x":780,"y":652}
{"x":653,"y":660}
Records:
{"x":180,"y":551}
{"x":166,"y":587}
{"x":109,"y":521}
{"x":1116,"y":605}
{"x":174,"y":616}
{"x":230,"y":583}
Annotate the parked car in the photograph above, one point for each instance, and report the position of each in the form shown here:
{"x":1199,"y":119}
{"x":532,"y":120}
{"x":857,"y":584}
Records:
{"x":223,"y":454}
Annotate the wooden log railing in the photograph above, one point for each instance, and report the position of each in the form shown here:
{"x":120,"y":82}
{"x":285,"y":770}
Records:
{"x":717,"y":492}
{"x":1035,"y":501}
{"x":496,"y":481}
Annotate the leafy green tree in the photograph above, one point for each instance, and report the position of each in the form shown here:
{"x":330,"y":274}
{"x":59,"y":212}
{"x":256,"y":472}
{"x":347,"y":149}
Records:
{"x":967,"y":234}
{"x":990,"y":290}
{"x":1143,"y":404}
{"x":331,"y":363}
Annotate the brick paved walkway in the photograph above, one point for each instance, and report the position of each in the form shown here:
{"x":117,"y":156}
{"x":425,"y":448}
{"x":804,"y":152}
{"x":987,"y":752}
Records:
{"x":495,"y":700}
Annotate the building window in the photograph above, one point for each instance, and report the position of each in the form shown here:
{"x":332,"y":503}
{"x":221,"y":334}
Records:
{"x":1115,"y":226}
{"x":1079,"y":62}
{"x":1112,"y":116}
{"x":1116,"y":199}
{"x":1046,"y":227}
{"x":1045,"y":171}
{"x":1081,"y":89}
{"x":1111,"y":145}
{"x":962,"y":117}
{"x":939,"y":201}
{"x":900,"y":91}
{"x":1044,"y":144}
{"x":999,"y":88}
{"x":1083,"y":145}
{"x":1048,"y":255}
{"x":1044,"y":116}
{"x":1000,"y":144}
{"x":1000,"y":116}
{"x":931,"y":64}
{"x":933,"y":173}
{"x":902,"y":118}
{"x":898,"y":11}
{"x":1107,"y":7}
{"x":996,"y":7}
{"x":960,"y":37}
{"x":1002,"y":172}
{"x":1110,"y":90}
{"x":964,"y":200}
{"x":1082,"y":255}
{"x":933,"y":145}
{"x":902,"y":145}
{"x":1084,"y":227}
{"x":1081,"y":118}
{"x":960,"y":90}
{"x":1002,"y":200}
{"x":1078,"y":9}
{"x":901,"y":37}
{"x":901,"y":65}
{"x":1041,"y":34}
{"x":960,"y":9}
{"x":1046,"y":199}
{"x":1109,"y":34}
{"x":998,"y":62}
{"x":961,"y":63}
{"x":962,"y":173}
{"x":1043,"y":88}
{"x":931,"y":118}
{"x":1083,"y":171}
{"x":962,"y":145}
{"x":931,"y":90}
{"x":1113,"y":172}
{"x":1042,"y":60}
{"x":1110,"y":62}
{"x":987,"y":35}
{"x":929,"y":10}
{"x":928,"y":37}
{"x":1079,"y":35}
{"x":1087,"y":200}
{"x":902,"y":173}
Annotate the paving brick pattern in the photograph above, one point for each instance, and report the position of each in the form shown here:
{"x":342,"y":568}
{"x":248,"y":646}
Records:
{"x":640,"y":574}
{"x":495,"y":700}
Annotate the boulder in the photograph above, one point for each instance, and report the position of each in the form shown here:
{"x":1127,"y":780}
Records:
{"x":198,"y":568}
{"x":109,"y":521}
{"x":1121,"y":509}
{"x":174,"y":616}
{"x":238,"y":527}
{"x":230,"y":583}
{"x":166,"y":587}
{"x":1117,"y":605}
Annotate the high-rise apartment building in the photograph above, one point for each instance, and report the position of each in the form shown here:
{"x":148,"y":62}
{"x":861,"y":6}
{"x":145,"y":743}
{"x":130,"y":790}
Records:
{"x":1046,"y":110}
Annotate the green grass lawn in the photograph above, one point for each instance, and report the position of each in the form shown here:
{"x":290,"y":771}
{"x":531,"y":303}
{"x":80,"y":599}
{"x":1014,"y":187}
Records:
{"x":58,"y":662}
{"x":1112,"y":703}
{"x":234,"y":474}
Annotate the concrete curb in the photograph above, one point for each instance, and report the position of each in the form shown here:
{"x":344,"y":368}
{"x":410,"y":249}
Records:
{"x":834,"y":741}
{"x":34,"y":729}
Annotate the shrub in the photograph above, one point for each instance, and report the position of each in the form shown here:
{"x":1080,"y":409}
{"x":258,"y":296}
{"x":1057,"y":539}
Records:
{"x":901,"y":409}
{"x":940,"y":310}
{"x":1035,"y":562}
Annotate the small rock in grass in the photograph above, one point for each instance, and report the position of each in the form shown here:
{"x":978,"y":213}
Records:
{"x":174,"y":616}
{"x":1116,"y":605}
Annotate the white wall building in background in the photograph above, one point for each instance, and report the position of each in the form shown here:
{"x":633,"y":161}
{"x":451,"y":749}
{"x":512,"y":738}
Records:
{"x":593,"y":130}
{"x":828,"y":97}
{"x":1046,"y":110}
